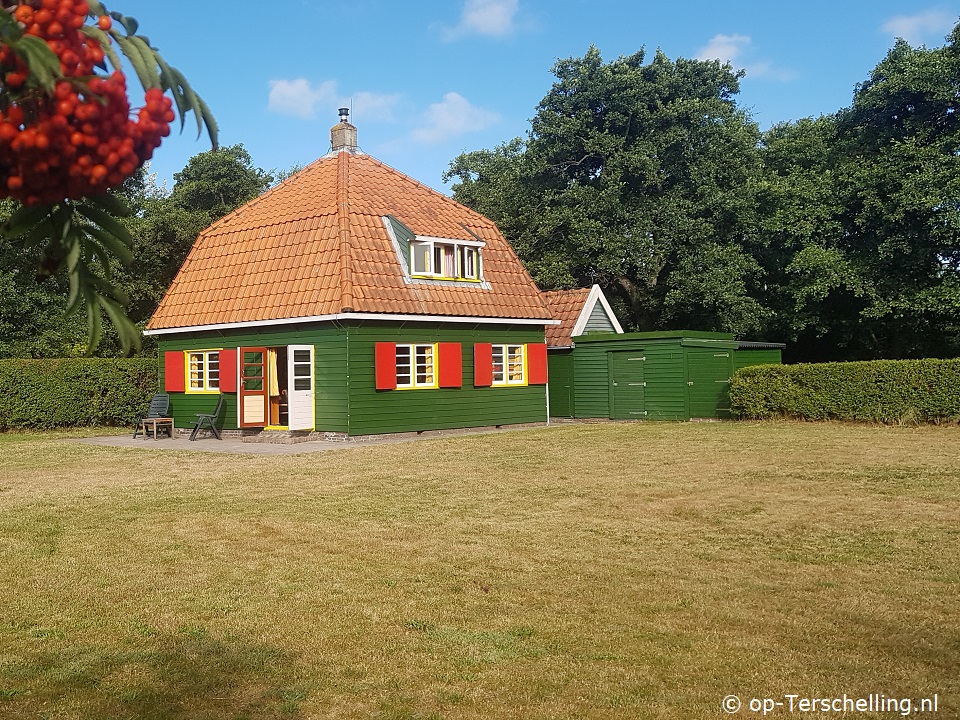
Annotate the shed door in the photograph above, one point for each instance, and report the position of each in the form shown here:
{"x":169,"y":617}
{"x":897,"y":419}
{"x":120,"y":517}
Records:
{"x":627,"y":386}
{"x":253,"y":387}
{"x":708,"y":382}
{"x":301,"y":391}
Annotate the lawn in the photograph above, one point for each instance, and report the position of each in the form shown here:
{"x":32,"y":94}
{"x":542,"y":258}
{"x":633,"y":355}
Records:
{"x":581,"y":571}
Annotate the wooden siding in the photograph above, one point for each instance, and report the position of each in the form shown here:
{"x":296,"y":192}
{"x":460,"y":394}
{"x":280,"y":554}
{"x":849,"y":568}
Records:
{"x":404,"y":237}
{"x":666,"y":396}
{"x":745,"y":358}
{"x":708,"y":382}
{"x":560,"y":364}
{"x":599,"y":321}
{"x":666,"y":372}
{"x":330,"y":365}
{"x":385,"y":411}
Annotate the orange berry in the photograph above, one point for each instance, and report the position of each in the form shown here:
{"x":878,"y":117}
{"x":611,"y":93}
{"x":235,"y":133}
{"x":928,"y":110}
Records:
{"x":104,"y":22}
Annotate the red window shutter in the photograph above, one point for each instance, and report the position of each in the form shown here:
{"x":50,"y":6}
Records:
{"x":174,"y":379}
{"x":482,"y":365}
{"x":386,"y":354}
{"x":537,"y":364}
{"x":450,"y":357}
{"x":228,"y":371}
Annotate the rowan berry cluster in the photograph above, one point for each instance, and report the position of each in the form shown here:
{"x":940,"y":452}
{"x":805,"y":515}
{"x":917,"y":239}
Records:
{"x":81,"y":139}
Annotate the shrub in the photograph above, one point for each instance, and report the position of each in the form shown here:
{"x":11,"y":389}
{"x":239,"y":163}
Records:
{"x":74,"y":392}
{"x":886,"y":391}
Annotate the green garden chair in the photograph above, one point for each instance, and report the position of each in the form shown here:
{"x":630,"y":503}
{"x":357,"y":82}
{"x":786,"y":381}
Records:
{"x":209,"y":419}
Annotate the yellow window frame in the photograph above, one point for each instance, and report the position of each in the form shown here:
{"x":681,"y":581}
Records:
{"x":188,"y":369}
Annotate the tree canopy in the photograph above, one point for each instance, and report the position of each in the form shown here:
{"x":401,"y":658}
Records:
{"x":163,"y":224}
{"x":836,"y":233}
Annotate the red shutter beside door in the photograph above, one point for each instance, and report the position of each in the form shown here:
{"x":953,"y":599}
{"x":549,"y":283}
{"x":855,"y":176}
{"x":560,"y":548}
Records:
{"x":228,"y":371}
{"x":450,"y":357}
{"x":174,"y":379}
{"x":483,"y":365}
{"x":537,"y":364}
{"x":386,"y":362}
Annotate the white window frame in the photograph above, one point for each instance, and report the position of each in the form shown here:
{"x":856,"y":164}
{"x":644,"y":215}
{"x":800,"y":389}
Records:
{"x":505,"y":356}
{"x":443,"y":255}
{"x":416,"y":366}
{"x":206,"y":364}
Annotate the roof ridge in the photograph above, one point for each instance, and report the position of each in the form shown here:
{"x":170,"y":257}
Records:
{"x":343,"y":232}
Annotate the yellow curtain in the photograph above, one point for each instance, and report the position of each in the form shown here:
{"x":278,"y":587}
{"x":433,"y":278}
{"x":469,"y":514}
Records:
{"x":272,"y":372}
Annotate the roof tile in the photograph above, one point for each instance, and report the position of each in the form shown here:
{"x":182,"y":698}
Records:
{"x":317,"y":242}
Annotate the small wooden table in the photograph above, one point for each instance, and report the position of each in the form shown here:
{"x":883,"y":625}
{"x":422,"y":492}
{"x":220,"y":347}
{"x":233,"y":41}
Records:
{"x":162,"y":423}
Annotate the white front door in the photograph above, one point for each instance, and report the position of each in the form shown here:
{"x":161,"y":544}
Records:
{"x":301,"y":404}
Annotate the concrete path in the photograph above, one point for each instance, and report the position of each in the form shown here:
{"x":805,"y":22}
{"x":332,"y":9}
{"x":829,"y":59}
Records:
{"x":210,"y":444}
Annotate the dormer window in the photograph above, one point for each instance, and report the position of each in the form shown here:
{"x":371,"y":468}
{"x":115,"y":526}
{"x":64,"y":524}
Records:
{"x":443,"y":259}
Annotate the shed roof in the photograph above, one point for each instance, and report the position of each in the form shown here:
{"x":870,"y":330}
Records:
{"x":316,"y":246}
{"x":572,"y":308}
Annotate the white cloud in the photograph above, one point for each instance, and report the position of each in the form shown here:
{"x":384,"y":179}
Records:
{"x":914,"y":28}
{"x":451,"y":117}
{"x":300,"y":98}
{"x":732,"y":49}
{"x":725,"y":48}
{"x":494,"y":18}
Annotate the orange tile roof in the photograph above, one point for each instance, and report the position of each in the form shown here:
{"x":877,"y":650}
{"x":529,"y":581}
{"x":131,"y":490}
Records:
{"x":565,"y":306}
{"x":316,"y":245}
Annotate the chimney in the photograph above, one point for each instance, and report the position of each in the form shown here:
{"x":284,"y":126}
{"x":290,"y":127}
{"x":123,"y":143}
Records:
{"x":343,"y":135}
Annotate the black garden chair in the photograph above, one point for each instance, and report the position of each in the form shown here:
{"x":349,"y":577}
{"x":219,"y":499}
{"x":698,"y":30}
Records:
{"x":209,"y":419}
{"x":159,"y":407}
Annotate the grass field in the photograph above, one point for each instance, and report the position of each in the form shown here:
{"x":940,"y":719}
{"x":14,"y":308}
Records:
{"x":583,"y":571}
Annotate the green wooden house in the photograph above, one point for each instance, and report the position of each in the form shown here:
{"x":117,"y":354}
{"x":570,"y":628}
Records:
{"x":351,"y":299}
{"x":597,"y":371}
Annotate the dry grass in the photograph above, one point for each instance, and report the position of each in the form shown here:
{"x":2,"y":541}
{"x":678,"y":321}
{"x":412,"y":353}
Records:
{"x":589,"y":571}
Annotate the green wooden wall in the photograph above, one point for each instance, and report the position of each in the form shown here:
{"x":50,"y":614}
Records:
{"x":684,"y":375}
{"x":560,"y":366}
{"x":375,"y":411}
{"x":746,"y":357}
{"x":330,"y":366}
{"x":344,"y":366}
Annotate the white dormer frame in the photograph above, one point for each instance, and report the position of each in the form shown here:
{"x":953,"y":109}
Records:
{"x":596,"y":296}
{"x":403,"y":239}
{"x":432,"y":270}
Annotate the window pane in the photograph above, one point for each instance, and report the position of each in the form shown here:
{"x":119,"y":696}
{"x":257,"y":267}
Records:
{"x":213,"y":370}
{"x":420,"y":253}
{"x":424,"y":359}
{"x":515,"y":363}
{"x":301,"y":356}
{"x":449,"y":261}
{"x":404,"y":372}
{"x":498,"y":362}
{"x":301,"y":383}
{"x":253,"y":384}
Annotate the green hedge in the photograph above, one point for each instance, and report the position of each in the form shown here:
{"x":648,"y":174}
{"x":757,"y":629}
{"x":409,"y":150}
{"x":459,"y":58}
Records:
{"x":886,"y":391}
{"x":74,"y":392}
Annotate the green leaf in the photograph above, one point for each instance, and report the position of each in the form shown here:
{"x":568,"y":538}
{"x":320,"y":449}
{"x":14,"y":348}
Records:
{"x":128,"y":332}
{"x":112,"y":204}
{"x":113,"y":246}
{"x":106,"y":221}
{"x":101,"y":37}
{"x":43,"y":62}
{"x":129,"y":24}
{"x":142,"y":66}
{"x":24,"y":219}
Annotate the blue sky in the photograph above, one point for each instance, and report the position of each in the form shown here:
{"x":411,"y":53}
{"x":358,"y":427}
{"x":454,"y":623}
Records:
{"x":430,"y":79}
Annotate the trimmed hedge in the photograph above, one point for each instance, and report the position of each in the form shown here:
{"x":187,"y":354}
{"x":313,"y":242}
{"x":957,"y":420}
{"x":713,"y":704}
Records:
{"x":75,"y":392}
{"x":885,"y":391}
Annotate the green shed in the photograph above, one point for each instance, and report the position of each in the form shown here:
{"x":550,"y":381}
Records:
{"x":598,"y":371}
